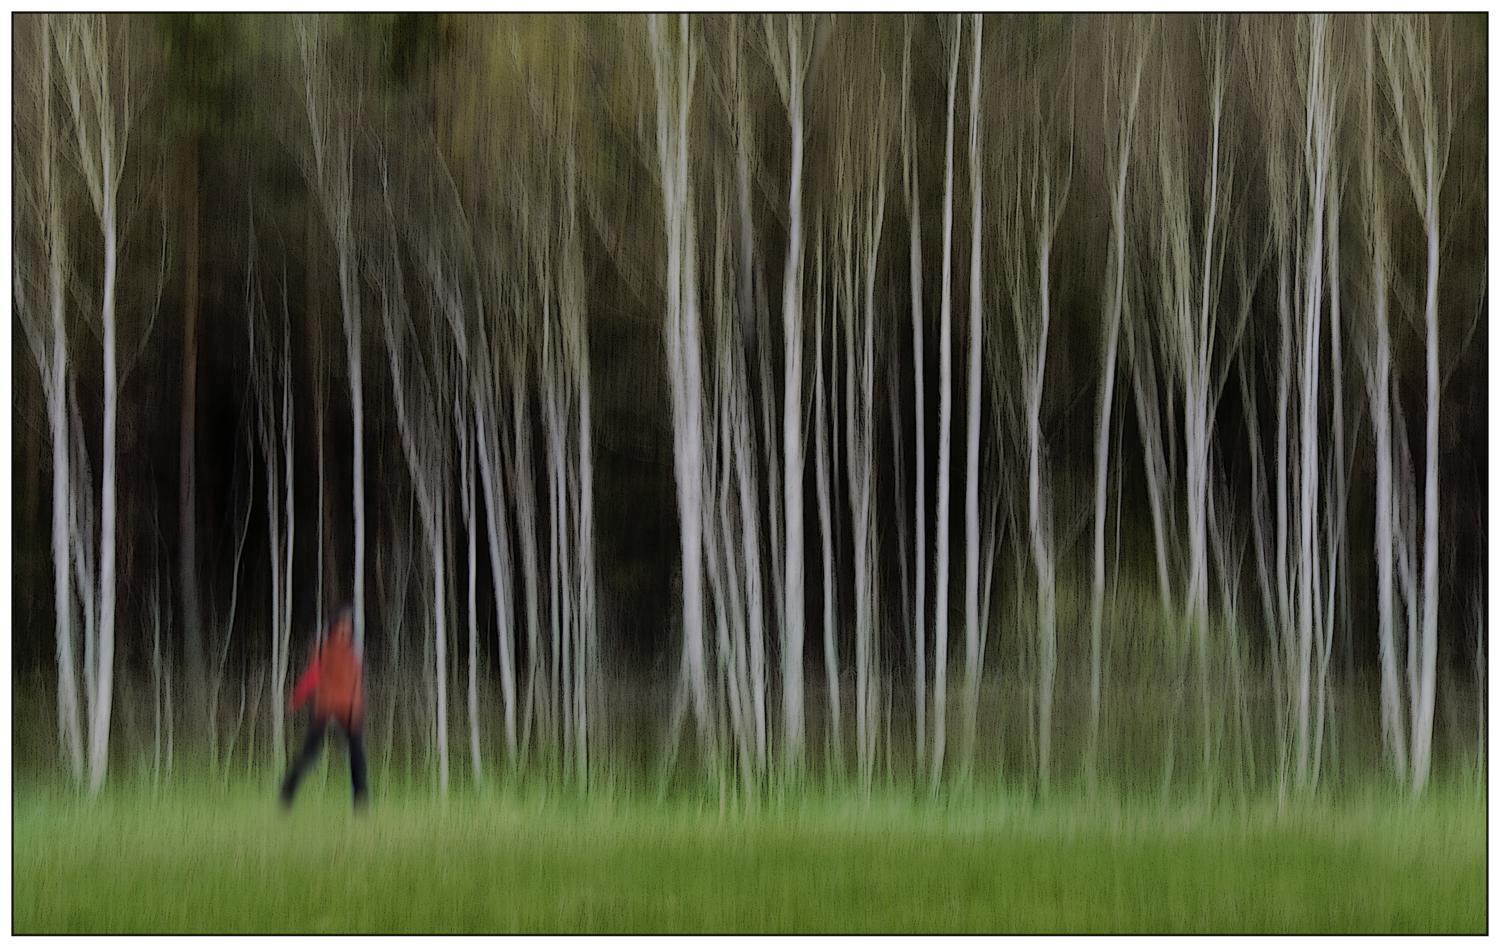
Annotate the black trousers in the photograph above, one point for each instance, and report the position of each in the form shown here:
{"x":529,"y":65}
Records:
{"x":308,"y":755}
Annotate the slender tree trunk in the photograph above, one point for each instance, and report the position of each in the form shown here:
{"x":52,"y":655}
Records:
{"x":1285,"y":628}
{"x":1041,"y":520}
{"x":415,"y":394}
{"x":62,"y":587}
{"x":279,"y":482}
{"x":440,"y":644}
{"x":1198,"y":420}
{"x":486,"y":428}
{"x":587,"y":621}
{"x":99,"y":733}
{"x":945,"y":424}
{"x":749,"y":485}
{"x":974,"y":659}
{"x":1377,"y":382}
{"x":914,"y":213}
{"x":467,"y":475}
{"x":320,"y":409}
{"x":332,"y":128}
{"x":674,"y":75}
{"x":1422,"y":738}
{"x":101,"y":138}
{"x":791,"y":429}
{"x":524,"y":479}
{"x":1317,"y":157}
{"x":353,"y":336}
{"x":820,"y":434}
{"x":1116,"y":304}
{"x":674,"y":82}
{"x":730,"y":417}
{"x":53,"y":367}
{"x":287,"y":445}
{"x":866,"y":548}
{"x":1334,"y":517}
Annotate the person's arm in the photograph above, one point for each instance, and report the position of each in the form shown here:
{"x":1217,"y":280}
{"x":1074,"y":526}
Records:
{"x":306,"y":684}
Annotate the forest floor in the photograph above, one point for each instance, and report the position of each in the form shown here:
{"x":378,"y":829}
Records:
{"x":229,"y":860}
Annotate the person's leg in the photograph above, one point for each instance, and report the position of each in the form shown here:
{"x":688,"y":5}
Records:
{"x":305,"y":758}
{"x":357,"y":766}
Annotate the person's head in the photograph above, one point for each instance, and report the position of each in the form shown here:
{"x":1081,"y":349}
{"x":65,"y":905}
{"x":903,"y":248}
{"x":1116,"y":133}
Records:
{"x":341,"y":626}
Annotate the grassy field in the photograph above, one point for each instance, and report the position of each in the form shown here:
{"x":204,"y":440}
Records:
{"x":228,"y":861}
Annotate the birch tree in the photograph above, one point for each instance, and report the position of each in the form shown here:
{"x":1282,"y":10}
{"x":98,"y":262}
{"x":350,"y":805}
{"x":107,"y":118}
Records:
{"x":331,"y":95}
{"x":1121,"y":97}
{"x":1189,"y":290}
{"x":911,"y":186}
{"x":1302,"y":102}
{"x":417,"y":390}
{"x":1043,"y":178}
{"x":1422,"y":98}
{"x":440,"y":256}
{"x":945,"y":424}
{"x":40,"y":243}
{"x":791,"y":54}
{"x":752,"y":318}
{"x":974,"y":663}
{"x":1375,"y":359}
{"x":1316,"y":155}
{"x":821,"y":475}
{"x":549,"y":232}
{"x":271,"y":381}
{"x":863,"y":463}
{"x":738,"y":610}
{"x":675,"y":64}
{"x":523,"y":481}
{"x":97,"y":73}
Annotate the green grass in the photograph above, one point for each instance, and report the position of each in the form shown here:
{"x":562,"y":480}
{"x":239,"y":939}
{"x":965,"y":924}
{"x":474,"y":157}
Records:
{"x":229,"y":861}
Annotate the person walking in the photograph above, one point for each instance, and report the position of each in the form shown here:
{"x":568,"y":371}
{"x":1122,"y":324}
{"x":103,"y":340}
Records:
{"x":334,"y":679}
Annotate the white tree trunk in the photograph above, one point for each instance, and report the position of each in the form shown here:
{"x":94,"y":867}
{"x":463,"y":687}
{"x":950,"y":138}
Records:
{"x":866,"y":567}
{"x":418,"y":419}
{"x":1122,"y":138}
{"x":523,"y":480}
{"x":1422,"y":736}
{"x":486,"y":428}
{"x":47,"y":334}
{"x":791,"y":429}
{"x":1334,"y":519}
{"x":945,"y":424}
{"x":102,"y":139}
{"x":745,"y":461}
{"x":974,"y":659}
{"x":99,"y":733}
{"x":587,"y":678}
{"x":914,"y":213}
{"x":820,"y":436}
{"x":674,"y":82}
{"x":1038,"y":210}
{"x":67,"y":674}
{"x":332,"y":125}
{"x":353,"y":335}
{"x":440,"y":644}
{"x":1424,"y":135}
{"x":1377,"y":366}
{"x":467,"y":471}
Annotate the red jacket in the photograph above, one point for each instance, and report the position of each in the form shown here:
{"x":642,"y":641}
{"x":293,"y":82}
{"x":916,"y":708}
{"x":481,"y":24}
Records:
{"x":335,"y":680}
